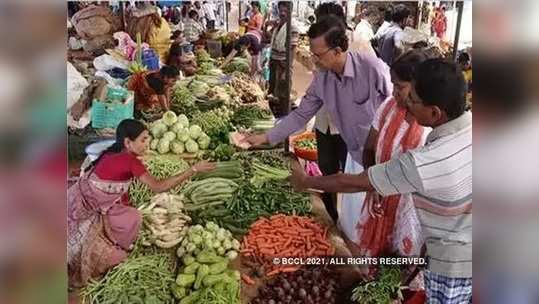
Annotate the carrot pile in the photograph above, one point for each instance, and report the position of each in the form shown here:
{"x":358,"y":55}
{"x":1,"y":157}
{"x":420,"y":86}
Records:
{"x":285,"y":236}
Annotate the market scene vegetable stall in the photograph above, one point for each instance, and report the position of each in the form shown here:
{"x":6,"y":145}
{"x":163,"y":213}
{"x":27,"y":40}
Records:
{"x":197,"y":177}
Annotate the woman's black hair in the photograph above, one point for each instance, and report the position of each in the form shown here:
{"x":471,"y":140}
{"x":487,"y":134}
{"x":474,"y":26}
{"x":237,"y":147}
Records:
{"x":333,"y":30}
{"x":169,"y":72}
{"x":405,"y":65}
{"x":156,"y":83}
{"x":255,"y":3}
{"x":463,"y":58}
{"x":175,"y":51}
{"x":128,"y":128}
{"x":400,"y":13}
{"x":440,"y":83}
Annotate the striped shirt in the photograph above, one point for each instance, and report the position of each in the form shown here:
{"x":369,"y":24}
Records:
{"x":192,"y":30}
{"x":439,"y":176}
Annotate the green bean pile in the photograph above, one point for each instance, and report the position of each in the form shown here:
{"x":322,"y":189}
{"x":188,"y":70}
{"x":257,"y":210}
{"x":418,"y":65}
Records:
{"x":144,"y":279}
{"x":160,"y":167}
{"x":383,"y":290}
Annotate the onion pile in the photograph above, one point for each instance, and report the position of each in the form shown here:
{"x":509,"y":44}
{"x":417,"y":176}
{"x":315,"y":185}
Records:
{"x":313,"y":285}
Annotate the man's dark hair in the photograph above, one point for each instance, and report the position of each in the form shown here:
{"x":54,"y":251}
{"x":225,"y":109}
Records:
{"x":400,"y":13}
{"x":169,"y":72}
{"x":156,"y":83}
{"x":404,"y":66}
{"x":440,"y":83}
{"x":287,"y":4}
{"x":463,"y":58}
{"x":332,"y":29}
{"x":255,"y":3}
{"x":192,"y":14}
{"x":387,"y":12}
{"x":329,"y":8}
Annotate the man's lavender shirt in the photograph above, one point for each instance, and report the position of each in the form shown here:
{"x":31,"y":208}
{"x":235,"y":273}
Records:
{"x":350,"y":102}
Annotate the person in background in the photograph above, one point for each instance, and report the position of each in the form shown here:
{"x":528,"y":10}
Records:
{"x":437,"y":175}
{"x":187,"y":6}
{"x":256,"y":20}
{"x":209,"y":12}
{"x":242,"y":30}
{"x":278,"y":86}
{"x":387,"y":12}
{"x":201,"y":14}
{"x":249,"y":42}
{"x":391,"y":43}
{"x":178,"y":58}
{"x":192,"y":27}
{"x":439,"y":23}
{"x":102,"y":225}
{"x":465,"y":63}
{"x":351,"y":85}
{"x":152,"y":88}
{"x":363,"y":30}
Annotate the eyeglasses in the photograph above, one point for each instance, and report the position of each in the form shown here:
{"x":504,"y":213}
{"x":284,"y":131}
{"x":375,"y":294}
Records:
{"x":321,"y":54}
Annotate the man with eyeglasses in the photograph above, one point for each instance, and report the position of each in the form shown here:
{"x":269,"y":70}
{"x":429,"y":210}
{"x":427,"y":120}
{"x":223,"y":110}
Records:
{"x":351,"y":86}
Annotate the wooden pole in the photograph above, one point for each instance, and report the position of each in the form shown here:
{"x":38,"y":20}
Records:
{"x":239,"y":11}
{"x":286,"y":100}
{"x":225,"y":14}
{"x":460,"y":6}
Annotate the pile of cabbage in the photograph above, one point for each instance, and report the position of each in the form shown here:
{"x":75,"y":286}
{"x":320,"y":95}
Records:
{"x":173,"y":134}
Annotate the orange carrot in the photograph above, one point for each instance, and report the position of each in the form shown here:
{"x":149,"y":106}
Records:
{"x":247,"y":279}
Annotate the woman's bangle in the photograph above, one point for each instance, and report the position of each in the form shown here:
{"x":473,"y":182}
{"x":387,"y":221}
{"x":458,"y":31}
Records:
{"x":194,"y":169}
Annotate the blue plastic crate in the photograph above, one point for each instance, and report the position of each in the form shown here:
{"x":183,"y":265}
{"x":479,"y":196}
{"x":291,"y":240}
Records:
{"x":109,"y":115}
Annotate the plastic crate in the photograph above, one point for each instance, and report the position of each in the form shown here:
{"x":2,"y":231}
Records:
{"x":109,"y":115}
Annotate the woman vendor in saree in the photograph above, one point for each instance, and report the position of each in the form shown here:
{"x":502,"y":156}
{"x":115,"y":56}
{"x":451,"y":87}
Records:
{"x":152,"y":88}
{"x":102,"y":226}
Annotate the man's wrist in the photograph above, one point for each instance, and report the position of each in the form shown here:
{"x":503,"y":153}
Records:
{"x":308,"y":181}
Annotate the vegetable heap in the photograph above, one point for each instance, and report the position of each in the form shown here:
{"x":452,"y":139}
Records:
{"x":208,"y":192}
{"x":383,"y":290}
{"x":209,"y":239}
{"x":206,"y":279}
{"x":225,"y":169}
{"x":264,"y":173}
{"x":238,"y":64}
{"x":183,"y":101}
{"x":306,"y":143}
{"x":222,"y":152}
{"x":246,"y":115}
{"x":215,"y":123}
{"x":249,"y":91}
{"x":165,"y":221}
{"x":290,"y":236}
{"x":202,"y":56}
{"x":174,"y":134}
{"x":312,"y":285}
{"x":161,"y":167}
{"x":249,"y":204}
{"x":261,"y":126}
{"x":143,"y":279}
